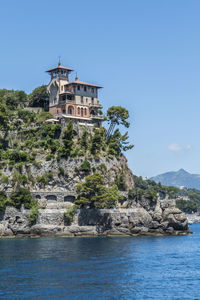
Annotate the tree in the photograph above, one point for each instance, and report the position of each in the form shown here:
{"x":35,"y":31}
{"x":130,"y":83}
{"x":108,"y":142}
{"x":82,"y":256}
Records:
{"x":21,"y":196}
{"x":84,"y":140}
{"x":39,"y":97}
{"x":13,"y":99}
{"x":93,"y":192}
{"x":67,"y":140}
{"x":118,"y":142}
{"x":98,"y":140}
{"x":117,"y":115}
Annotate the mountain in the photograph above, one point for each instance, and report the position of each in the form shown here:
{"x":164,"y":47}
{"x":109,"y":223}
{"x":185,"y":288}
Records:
{"x":179,"y":178}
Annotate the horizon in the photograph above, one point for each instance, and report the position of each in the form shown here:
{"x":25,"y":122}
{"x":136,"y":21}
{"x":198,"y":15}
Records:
{"x":144,"y":54}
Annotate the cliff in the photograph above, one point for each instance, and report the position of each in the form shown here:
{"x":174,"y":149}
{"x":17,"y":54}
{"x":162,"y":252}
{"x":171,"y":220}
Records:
{"x":69,"y":179}
{"x":161,"y":219}
{"x":137,"y":216}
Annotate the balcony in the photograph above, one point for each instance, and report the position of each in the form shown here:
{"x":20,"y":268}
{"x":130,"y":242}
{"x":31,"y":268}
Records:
{"x":97,"y":117}
{"x":95,"y":105}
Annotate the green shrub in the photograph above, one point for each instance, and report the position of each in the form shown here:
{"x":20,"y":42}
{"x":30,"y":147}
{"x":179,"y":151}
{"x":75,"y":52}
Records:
{"x":34,"y":212}
{"x":102,"y":167}
{"x":21,"y":196}
{"x":70,"y":214}
{"x":85,"y":166}
{"x":49,"y":157}
{"x":4,"y":179}
{"x":61,"y":171}
{"x":120,"y":181}
{"x":3,"y":200}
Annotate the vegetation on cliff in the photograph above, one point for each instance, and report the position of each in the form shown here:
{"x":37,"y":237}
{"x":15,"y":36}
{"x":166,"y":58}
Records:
{"x":25,"y":141}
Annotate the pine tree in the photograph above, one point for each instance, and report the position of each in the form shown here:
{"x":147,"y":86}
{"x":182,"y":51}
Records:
{"x":68,"y":140}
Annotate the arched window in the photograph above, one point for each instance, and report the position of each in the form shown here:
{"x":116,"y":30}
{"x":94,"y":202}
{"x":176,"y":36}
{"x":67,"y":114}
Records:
{"x":92,"y":112}
{"x":85,"y":111}
{"x":70,"y":110}
{"x":79,"y":110}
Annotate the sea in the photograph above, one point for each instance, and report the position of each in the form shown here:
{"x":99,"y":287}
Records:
{"x":101,"y":267}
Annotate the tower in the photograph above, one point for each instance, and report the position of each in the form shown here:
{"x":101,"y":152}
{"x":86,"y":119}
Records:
{"x":73,"y":100}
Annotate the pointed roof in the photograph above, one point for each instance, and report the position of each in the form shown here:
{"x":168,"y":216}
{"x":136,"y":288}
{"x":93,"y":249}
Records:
{"x":59,"y":67}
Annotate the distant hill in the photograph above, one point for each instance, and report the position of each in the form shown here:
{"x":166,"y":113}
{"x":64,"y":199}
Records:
{"x":179,"y":178}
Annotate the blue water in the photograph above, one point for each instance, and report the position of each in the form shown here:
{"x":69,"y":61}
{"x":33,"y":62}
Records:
{"x":101,"y":268}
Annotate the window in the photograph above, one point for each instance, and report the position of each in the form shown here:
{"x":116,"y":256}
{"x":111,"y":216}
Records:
{"x":61,"y":87}
{"x":79,"y":110}
{"x":92,"y":90}
{"x":70,"y":110}
{"x":85,"y":88}
{"x":64,"y":111}
{"x":86,"y":100}
{"x":78,"y":87}
{"x":81,"y":99}
{"x":85,"y":111}
{"x":92,"y":100}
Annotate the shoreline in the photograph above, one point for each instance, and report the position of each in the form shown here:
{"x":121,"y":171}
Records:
{"x":149,"y":234}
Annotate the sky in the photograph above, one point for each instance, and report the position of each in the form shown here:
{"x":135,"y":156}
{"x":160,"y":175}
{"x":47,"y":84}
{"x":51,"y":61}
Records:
{"x":145,"y":53}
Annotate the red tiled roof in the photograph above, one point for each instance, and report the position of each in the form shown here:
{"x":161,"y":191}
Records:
{"x":77,"y":81}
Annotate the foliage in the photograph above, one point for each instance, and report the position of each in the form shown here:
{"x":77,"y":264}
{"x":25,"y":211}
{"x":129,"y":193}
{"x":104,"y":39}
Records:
{"x":26,"y":116}
{"x":67,"y":140}
{"x":45,"y":178}
{"x":118,"y":142}
{"x":39,"y":97}
{"x":19,"y":178}
{"x":187,"y":206}
{"x":120,"y":181}
{"x":98,"y":140}
{"x":70,"y":212}
{"x":102,"y":167}
{"x":93,"y":193}
{"x":4,"y":201}
{"x":21,"y":196}
{"x":61,"y":171}
{"x":43,"y":116}
{"x":18,"y":156}
{"x":49,"y":157}
{"x":34,"y":211}
{"x":85,"y":166}
{"x":84,"y":140}
{"x":118,"y":115}
{"x":13,"y":99}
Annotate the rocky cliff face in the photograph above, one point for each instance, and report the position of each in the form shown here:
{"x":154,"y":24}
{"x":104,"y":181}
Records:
{"x":129,"y":217}
{"x":71,"y":175}
{"x":158,"y":218}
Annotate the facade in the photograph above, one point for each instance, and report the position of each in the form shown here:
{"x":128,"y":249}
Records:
{"x":75,"y":100}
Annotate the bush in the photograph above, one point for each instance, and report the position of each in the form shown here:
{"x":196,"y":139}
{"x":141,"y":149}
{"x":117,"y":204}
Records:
{"x":61,"y":172}
{"x":34,"y":211}
{"x":22,"y":196}
{"x":70,"y":214}
{"x":49,"y":157}
{"x":3,"y":200}
{"x":120,"y":181}
{"x":85,"y":166}
{"x":45,"y":178}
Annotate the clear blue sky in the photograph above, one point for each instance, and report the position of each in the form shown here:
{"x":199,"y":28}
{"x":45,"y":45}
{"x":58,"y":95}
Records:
{"x":145,"y":53}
